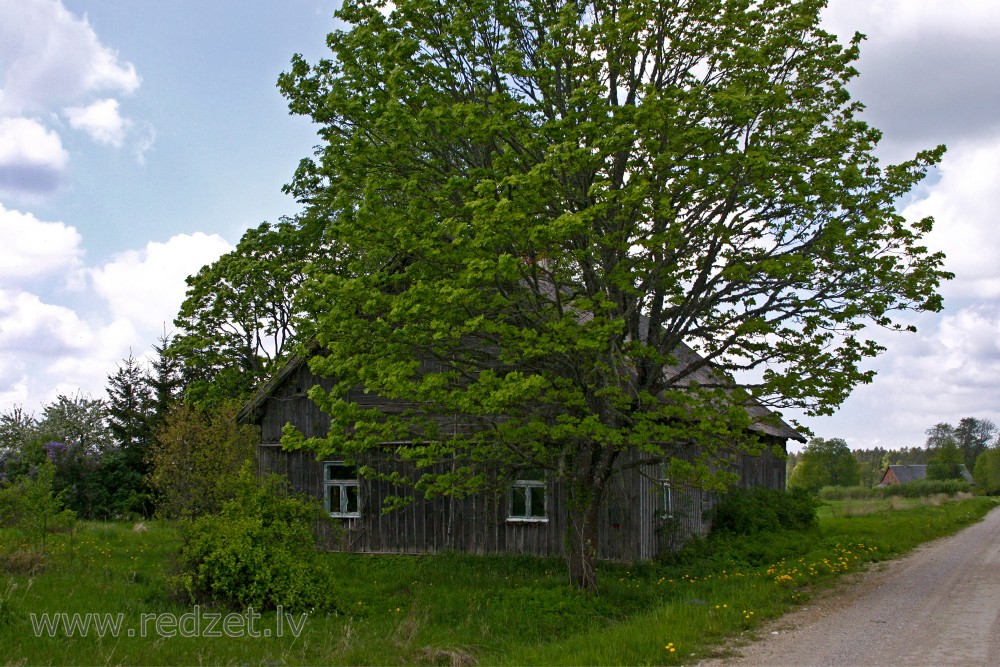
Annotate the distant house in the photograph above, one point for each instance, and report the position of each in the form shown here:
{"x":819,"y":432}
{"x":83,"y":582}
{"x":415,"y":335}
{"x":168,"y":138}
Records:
{"x":900,"y":474}
{"x":643,"y":514}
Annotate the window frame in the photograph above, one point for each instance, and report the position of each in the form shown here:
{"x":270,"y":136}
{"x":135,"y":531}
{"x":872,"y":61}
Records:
{"x":529,"y":487}
{"x":665,"y":501}
{"x":342,"y":484}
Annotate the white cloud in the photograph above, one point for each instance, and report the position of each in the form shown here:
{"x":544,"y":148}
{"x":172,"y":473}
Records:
{"x":146,"y":287}
{"x":52,"y":60}
{"x":927,"y":69}
{"x":30,"y":327}
{"x":143,"y":139}
{"x":32,"y":158}
{"x":905,"y":18}
{"x":949,"y":370}
{"x":101,"y":121}
{"x":964,"y":204}
{"x":927,"y":77}
{"x":34,"y":249}
{"x":48,"y":348}
{"x":48,"y":55}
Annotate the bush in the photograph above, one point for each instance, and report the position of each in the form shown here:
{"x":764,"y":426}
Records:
{"x":987,"y":472}
{"x":29,"y":503}
{"x":761,"y":510}
{"x":750,"y":528}
{"x":259,"y":551}
{"x":850,"y":493}
{"x":196,"y":460}
{"x":915,"y":489}
{"x":927,"y":487}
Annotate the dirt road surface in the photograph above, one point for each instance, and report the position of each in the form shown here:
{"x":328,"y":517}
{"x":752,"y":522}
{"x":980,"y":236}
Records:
{"x":938,"y":606}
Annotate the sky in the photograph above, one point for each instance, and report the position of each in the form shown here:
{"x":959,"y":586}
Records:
{"x":140,"y":139}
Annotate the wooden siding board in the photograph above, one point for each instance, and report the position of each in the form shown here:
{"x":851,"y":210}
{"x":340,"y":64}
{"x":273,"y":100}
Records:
{"x":478,"y":524}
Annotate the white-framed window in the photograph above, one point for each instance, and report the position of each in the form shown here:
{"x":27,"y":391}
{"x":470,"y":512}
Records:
{"x":340,"y":489}
{"x":528,"y":497}
{"x":665,"y":502}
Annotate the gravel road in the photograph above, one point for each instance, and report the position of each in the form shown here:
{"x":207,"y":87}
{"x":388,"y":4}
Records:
{"x":938,"y":606}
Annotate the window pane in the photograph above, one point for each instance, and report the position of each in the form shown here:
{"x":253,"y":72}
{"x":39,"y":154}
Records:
{"x":333,"y":493}
{"x":518,"y":502}
{"x":351,"y":491}
{"x":336,"y":471}
{"x":537,"y":502}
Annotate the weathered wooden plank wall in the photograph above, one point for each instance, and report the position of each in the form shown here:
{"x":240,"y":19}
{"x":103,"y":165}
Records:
{"x":290,"y":405}
{"x":631,"y":527}
{"x":476,"y":524}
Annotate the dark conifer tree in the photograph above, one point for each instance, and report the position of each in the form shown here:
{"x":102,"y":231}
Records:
{"x":164,"y":380}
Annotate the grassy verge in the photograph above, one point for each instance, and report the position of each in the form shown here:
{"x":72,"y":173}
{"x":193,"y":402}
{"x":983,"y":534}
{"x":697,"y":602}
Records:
{"x":449,"y":609}
{"x":743,"y":583}
{"x":861,"y":506}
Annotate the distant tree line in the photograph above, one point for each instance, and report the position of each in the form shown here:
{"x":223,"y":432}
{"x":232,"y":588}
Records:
{"x":973,"y":443}
{"x":163,"y":437}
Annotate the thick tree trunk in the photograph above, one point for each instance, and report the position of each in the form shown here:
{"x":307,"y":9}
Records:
{"x":591,"y":469}
{"x":582,"y":556}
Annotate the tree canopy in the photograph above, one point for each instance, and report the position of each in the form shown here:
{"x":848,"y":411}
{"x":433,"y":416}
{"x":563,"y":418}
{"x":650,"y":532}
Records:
{"x":237,"y":322}
{"x":971,"y":437}
{"x":540,"y":205}
{"x":945,"y":462}
{"x":987,"y":471}
{"x":825,"y":463}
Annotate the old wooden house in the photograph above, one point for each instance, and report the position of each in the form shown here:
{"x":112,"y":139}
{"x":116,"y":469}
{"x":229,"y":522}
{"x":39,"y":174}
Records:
{"x":900,"y":474}
{"x":642,"y":514}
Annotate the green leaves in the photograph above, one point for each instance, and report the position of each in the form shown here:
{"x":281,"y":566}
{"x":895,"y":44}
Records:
{"x":239,"y":318}
{"x":541,"y":206}
{"x":825,"y":463}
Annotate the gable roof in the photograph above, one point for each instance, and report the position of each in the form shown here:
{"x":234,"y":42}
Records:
{"x":251,"y":408}
{"x":913,"y":473}
{"x":764,"y":420}
{"x":906,"y":473}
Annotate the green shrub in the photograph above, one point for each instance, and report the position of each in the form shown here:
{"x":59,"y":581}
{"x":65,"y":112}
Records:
{"x":849,"y":493}
{"x":761,"y":510}
{"x":750,"y":528}
{"x":915,"y":489}
{"x":196,"y":460}
{"x":259,"y":551}
{"x":987,"y":472}
{"x":927,"y":487}
{"x":29,"y":503}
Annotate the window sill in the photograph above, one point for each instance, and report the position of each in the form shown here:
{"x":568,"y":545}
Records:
{"x":344,"y":516}
{"x":527,"y":519}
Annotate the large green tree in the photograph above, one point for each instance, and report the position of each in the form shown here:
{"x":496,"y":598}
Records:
{"x":130,"y":408}
{"x":540,"y":204}
{"x":131,"y":417}
{"x":973,"y":436}
{"x":237,"y":322}
{"x":938,"y":435}
{"x":165,"y":380}
{"x":987,"y":471}
{"x":825,"y":462}
{"x":945,"y":462}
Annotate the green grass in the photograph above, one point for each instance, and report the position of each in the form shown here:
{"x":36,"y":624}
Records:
{"x":862,"y":506}
{"x":453,"y":608}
